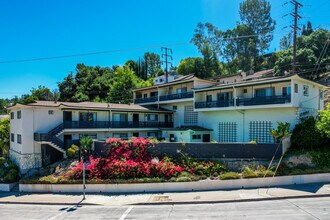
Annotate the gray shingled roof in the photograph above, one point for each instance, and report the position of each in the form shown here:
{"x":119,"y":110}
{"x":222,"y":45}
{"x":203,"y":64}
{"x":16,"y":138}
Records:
{"x":96,"y":105}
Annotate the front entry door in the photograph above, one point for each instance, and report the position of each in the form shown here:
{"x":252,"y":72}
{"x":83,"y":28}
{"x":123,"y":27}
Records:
{"x":67,"y":139}
{"x":206,"y":137}
{"x":67,"y":116}
{"x":136,"y":120}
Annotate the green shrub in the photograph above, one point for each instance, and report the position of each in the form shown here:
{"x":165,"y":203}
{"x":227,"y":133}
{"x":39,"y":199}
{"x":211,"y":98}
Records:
{"x":323,"y":124}
{"x":183,"y":179}
{"x":185,"y":174}
{"x":11,"y":176}
{"x":249,"y":173}
{"x":268,"y":173}
{"x":8,"y":171}
{"x":306,"y":136}
{"x":230,"y":175}
{"x":320,"y":158}
{"x":72,"y":151}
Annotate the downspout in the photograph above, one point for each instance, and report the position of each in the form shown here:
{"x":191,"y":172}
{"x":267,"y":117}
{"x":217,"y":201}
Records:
{"x":34,"y":155}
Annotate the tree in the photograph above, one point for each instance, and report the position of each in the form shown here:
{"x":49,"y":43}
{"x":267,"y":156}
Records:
{"x":88,"y":84}
{"x":124,"y":80}
{"x":152,"y":63}
{"x":4,"y":135}
{"x":4,"y":103}
{"x":191,"y":65}
{"x":239,"y":52}
{"x":286,"y":42}
{"x":307,"y":30}
{"x":255,"y":14}
{"x":42,"y":93}
{"x":207,"y":38}
{"x":309,"y":50}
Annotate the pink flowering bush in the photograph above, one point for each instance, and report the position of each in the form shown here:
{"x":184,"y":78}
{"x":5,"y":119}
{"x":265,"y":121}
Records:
{"x":126,"y":159}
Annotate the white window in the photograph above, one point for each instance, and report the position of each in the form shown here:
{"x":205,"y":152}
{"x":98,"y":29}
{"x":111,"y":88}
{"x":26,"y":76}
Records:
{"x":50,"y":112}
{"x":270,"y":91}
{"x":93,"y":136}
{"x":181,"y":90}
{"x":152,"y":117}
{"x":19,"y":138}
{"x":306,"y":90}
{"x":120,"y":117}
{"x":152,"y":134}
{"x":296,"y":88}
{"x":19,"y":114}
{"x":87,"y":116}
{"x":175,"y":107}
{"x":196,"y":137}
{"x":120,"y":135}
{"x":12,"y":137}
{"x":12,"y":115}
{"x":209,"y":98}
{"x":286,"y":90}
{"x":321,"y":95}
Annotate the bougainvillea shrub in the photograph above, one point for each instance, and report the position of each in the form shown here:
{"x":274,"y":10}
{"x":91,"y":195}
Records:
{"x":131,"y":159}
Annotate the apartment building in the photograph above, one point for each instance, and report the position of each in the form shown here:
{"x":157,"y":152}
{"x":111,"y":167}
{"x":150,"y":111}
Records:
{"x":186,"y":109}
{"x":234,"y":109}
{"x":42,"y":131}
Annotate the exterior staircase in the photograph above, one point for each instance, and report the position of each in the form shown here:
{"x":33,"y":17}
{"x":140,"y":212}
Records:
{"x":52,"y":139}
{"x":15,"y":188}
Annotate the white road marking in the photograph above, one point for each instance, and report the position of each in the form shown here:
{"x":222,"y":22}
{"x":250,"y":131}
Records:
{"x":62,"y":212}
{"x":126,"y":213}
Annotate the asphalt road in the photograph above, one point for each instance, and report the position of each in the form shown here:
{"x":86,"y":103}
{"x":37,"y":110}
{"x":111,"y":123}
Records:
{"x":311,"y":208}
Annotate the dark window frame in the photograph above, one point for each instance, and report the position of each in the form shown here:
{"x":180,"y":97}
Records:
{"x":19,"y":138}
{"x":12,"y":137}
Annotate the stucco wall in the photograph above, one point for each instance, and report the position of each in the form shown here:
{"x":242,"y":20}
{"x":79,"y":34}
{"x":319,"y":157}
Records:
{"x":211,"y":119}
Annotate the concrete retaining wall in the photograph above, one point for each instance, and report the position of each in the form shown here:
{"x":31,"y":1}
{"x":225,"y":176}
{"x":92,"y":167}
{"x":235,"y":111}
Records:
{"x":6,"y":187}
{"x":177,"y":187}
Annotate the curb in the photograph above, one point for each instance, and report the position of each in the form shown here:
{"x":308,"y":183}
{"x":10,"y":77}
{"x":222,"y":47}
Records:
{"x":233,"y":200}
{"x":172,"y":203}
{"x":51,"y":203}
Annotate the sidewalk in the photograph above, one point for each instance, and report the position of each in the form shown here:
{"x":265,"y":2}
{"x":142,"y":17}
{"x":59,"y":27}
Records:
{"x":223,"y":196}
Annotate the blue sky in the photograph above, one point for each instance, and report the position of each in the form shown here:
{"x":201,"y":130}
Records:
{"x":44,"y":28}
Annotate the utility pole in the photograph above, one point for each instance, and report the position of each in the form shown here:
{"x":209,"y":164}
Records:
{"x":166,"y":55}
{"x":295,"y":27}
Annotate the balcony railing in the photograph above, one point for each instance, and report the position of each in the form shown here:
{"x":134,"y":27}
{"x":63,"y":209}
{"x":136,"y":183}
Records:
{"x":215,"y":104}
{"x":185,"y":95}
{"x":146,"y":100}
{"x":116,"y":124}
{"x":266,"y":100}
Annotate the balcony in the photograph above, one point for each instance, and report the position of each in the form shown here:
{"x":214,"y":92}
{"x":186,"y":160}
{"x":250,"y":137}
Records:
{"x":115,"y":124}
{"x":266,"y":100}
{"x":146,"y":100}
{"x":215,"y":104}
{"x":185,"y":95}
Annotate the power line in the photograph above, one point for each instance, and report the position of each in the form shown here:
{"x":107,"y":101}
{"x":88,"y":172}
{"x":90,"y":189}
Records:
{"x":116,"y":51}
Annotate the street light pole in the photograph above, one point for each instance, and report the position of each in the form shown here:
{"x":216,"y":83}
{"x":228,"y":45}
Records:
{"x":84,"y":181}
